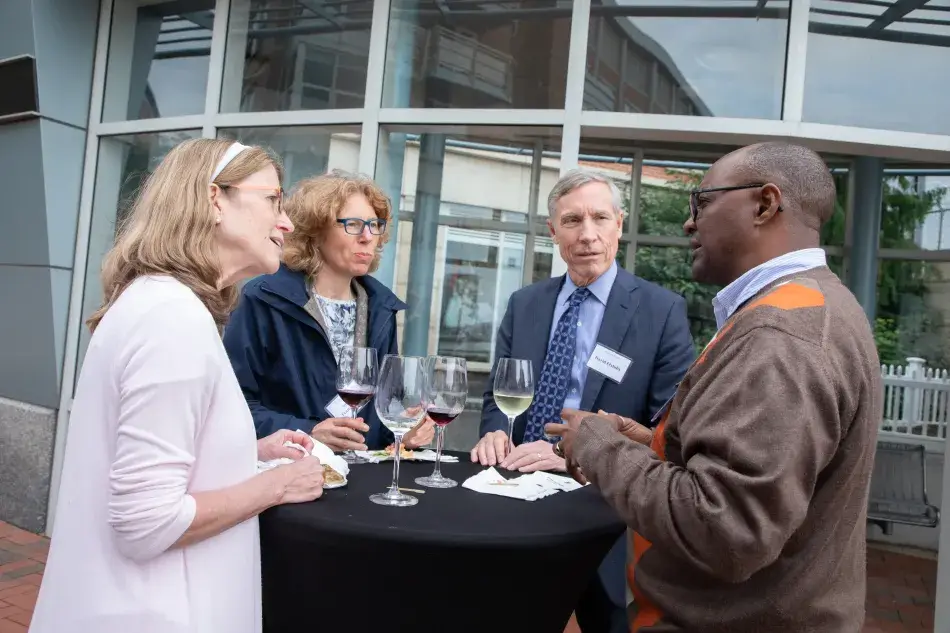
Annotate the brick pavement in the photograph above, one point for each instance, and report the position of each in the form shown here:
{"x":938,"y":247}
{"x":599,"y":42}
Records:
{"x":900,"y":596}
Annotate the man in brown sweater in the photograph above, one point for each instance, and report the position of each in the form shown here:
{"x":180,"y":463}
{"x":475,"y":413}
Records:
{"x":748,"y":500}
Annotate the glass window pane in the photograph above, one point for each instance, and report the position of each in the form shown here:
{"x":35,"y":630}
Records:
{"x":464,"y":202}
{"x":124,"y":163}
{"x":296,"y":55}
{"x":304,"y":151}
{"x":671,"y":267}
{"x":913,"y":312}
{"x":480,"y":55}
{"x":869,"y":67}
{"x":158,"y":59}
{"x":720,"y":58}
{"x":914,"y":214}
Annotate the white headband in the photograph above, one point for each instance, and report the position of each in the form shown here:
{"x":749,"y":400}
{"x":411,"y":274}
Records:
{"x":235,"y":149}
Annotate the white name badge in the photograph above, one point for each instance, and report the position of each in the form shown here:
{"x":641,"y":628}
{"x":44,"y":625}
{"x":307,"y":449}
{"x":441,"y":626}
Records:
{"x":609,"y":363}
{"x":339,"y":409}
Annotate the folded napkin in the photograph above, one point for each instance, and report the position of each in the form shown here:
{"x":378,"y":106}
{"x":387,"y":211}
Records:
{"x":320,"y":450}
{"x":529,"y":487}
{"x":374,"y":457}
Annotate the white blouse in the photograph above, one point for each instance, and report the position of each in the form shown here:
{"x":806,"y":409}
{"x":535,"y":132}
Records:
{"x":158,"y":414}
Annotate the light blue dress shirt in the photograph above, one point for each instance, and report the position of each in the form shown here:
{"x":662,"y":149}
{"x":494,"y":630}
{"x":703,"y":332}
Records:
{"x":588,"y":327}
{"x":742,"y":289}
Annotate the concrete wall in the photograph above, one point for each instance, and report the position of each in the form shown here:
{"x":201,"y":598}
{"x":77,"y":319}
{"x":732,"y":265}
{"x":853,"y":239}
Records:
{"x":41,"y":162}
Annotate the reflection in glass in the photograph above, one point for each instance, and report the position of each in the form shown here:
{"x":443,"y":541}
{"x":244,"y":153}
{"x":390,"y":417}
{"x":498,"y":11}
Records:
{"x":304,"y":151}
{"x":873,"y":52}
{"x":158,"y":59}
{"x":296,"y":55}
{"x":124,"y":163}
{"x":719,"y":58}
{"x":477,"y":54}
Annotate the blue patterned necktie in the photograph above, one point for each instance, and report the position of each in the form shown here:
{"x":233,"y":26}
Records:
{"x":556,"y":371}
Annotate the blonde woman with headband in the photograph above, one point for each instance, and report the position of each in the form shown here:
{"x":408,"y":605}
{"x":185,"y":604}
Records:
{"x":156,"y":526}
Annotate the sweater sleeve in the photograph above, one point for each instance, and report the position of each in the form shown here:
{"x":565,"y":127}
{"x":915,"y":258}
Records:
{"x":166,"y":378}
{"x":754,"y":437}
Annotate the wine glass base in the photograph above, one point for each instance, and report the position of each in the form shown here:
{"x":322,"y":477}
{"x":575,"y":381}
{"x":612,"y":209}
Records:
{"x":352,"y":458}
{"x":436,"y":482}
{"x":396,"y":499}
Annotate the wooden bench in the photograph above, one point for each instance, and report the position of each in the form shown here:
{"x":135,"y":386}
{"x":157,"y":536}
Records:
{"x":899,"y":488}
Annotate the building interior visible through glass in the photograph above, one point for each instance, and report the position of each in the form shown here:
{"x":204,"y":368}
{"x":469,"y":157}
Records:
{"x":470,"y":227}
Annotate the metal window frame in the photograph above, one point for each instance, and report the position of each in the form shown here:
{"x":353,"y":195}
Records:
{"x":74,"y":319}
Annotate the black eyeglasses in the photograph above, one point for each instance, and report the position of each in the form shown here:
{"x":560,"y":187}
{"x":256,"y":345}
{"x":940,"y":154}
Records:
{"x":695,"y":193}
{"x":355,"y":226}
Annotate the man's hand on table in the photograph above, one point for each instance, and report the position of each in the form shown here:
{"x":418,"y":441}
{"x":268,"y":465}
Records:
{"x":491,"y":450}
{"x":538,"y":455}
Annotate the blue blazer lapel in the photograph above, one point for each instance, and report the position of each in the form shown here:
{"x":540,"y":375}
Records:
{"x":619,"y":314}
{"x":543,"y":304}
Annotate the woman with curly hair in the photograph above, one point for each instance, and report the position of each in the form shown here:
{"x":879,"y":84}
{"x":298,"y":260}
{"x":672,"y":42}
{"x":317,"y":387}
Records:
{"x":285,"y":337}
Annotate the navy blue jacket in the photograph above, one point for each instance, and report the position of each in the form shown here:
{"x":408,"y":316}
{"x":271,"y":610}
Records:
{"x":643,"y":321}
{"x":283,"y":359}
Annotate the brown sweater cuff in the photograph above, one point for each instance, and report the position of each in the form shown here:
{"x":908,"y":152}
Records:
{"x":595,"y":437}
{"x":592,"y":435}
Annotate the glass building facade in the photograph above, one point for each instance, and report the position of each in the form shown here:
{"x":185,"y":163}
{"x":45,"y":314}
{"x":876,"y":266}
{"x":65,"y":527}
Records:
{"x":466,"y":112}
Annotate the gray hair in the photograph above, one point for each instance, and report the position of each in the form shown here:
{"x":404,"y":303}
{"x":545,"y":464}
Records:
{"x":578,"y":178}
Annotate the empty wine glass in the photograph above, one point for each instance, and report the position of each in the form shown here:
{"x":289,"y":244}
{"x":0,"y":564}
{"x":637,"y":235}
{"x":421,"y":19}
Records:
{"x":446,"y":393}
{"x":513,"y":390}
{"x":400,"y":404}
{"x":356,"y":384}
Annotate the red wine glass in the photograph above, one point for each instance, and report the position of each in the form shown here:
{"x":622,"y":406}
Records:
{"x":446,"y":392}
{"x":356,"y":384}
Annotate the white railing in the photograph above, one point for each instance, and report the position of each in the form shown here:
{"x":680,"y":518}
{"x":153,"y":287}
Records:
{"x":916,"y":401}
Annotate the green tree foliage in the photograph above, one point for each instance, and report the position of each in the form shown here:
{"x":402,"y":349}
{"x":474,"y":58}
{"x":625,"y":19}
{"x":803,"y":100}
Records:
{"x":906,"y":323}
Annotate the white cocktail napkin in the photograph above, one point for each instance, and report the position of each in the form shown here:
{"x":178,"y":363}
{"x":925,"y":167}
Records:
{"x":528,"y":487}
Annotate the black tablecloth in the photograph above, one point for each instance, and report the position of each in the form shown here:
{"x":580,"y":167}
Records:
{"x":458,"y":561}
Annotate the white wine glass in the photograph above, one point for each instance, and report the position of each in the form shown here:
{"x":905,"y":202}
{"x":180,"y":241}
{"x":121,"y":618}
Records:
{"x":513,"y":390}
{"x":400,"y":404}
{"x":446,"y":393}
{"x":356,"y":384}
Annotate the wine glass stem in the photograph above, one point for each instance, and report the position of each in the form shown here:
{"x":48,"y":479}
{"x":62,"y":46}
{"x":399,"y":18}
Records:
{"x":511,"y":430}
{"x":439,"y":439}
{"x":394,"y":489}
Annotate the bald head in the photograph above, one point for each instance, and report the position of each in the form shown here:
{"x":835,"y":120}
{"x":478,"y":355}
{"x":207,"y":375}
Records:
{"x":808,"y":190}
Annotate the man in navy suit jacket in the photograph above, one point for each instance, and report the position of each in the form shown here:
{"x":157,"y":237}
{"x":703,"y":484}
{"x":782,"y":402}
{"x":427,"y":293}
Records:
{"x":631,"y":346}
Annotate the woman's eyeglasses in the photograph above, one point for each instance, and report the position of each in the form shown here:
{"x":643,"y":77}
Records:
{"x":355,"y":226}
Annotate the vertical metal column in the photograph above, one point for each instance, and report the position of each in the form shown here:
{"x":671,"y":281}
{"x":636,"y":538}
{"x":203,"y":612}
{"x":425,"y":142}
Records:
{"x":865,"y":232}
{"x":391,"y":154}
{"x":534,"y":201}
{"x":425,"y":234}
{"x":633,"y":219}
